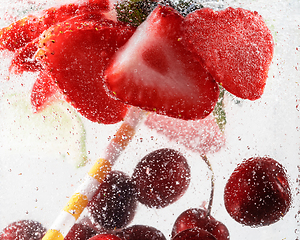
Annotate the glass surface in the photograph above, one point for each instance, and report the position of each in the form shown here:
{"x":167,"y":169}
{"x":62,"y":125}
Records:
{"x":39,"y":153}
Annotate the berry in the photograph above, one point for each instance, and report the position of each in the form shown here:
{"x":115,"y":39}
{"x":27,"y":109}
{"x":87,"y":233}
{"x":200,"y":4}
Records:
{"x":113,"y":205}
{"x":105,"y":237}
{"x":155,"y":72}
{"x":258,"y":192}
{"x":197,"y":218}
{"x":43,"y":91}
{"x":202,"y":136}
{"x":194,"y":234}
{"x":24,"y":59}
{"x":80,"y":232}
{"x":235,"y":46}
{"x":138,"y":232}
{"x":161,"y":177}
{"x":23,"y":230}
{"x":76,"y":60}
{"x":25,"y":30}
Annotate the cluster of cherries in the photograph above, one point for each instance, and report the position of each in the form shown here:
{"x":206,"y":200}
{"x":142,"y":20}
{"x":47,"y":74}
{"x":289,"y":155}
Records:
{"x":256,"y":194}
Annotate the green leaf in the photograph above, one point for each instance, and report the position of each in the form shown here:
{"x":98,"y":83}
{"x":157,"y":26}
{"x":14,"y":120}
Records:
{"x":134,"y":12}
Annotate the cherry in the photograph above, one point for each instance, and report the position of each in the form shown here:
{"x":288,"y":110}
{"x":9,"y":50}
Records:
{"x":80,"y":232}
{"x":114,"y":204}
{"x":194,"y":234}
{"x":23,"y":230}
{"x":137,"y":232}
{"x":196,"y":217}
{"x":161,"y":177}
{"x":105,"y":236}
{"x":257,"y":192}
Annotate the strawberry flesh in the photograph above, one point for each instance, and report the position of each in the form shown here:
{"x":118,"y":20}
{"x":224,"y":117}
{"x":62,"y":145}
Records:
{"x":235,"y":45}
{"x":43,"y":92}
{"x":155,"y":72}
{"x":25,"y":30}
{"x":76,"y":54}
{"x":24,"y":60}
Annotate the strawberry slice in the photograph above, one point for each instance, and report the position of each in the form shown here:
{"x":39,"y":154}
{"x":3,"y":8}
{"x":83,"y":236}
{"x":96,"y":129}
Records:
{"x":76,"y":54}
{"x":43,"y":92}
{"x":155,"y":72}
{"x":235,"y":45}
{"x":27,"y":29}
{"x":24,"y":59}
{"x":202,"y":136}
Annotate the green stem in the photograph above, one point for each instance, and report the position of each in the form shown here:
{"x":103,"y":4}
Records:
{"x":205,"y":159}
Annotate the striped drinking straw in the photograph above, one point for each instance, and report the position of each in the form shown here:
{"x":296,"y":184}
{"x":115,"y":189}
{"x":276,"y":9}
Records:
{"x":95,"y":177}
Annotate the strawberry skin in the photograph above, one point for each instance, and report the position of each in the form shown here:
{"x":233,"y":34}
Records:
{"x":202,"y":136}
{"x":155,"y":72}
{"x":24,"y":59}
{"x":235,"y":45}
{"x":43,"y":92}
{"x":25,"y":30}
{"x":76,"y":54}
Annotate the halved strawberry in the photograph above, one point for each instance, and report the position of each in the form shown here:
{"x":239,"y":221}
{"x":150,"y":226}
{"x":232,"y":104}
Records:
{"x":76,"y":54}
{"x":24,"y":59}
{"x":43,"y":92}
{"x":155,"y":72}
{"x":202,"y":136}
{"x":27,"y":29}
{"x":235,"y":45}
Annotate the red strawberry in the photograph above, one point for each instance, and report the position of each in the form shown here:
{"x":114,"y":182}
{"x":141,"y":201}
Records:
{"x":235,"y":45}
{"x":76,"y":54}
{"x":27,"y":29}
{"x":155,"y":72}
{"x":202,"y":136}
{"x":43,"y":92}
{"x":24,"y":59}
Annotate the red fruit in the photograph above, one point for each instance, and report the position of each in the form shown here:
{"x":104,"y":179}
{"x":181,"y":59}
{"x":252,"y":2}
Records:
{"x":161,"y":177}
{"x":80,"y":232}
{"x":113,"y":205}
{"x":235,"y":46}
{"x":105,"y":237}
{"x":258,"y":192}
{"x":202,"y":136}
{"x":25,"y":30}
{"x":76,"y":54}
{"x":23,"y":230}
{"x":155,"y":72}
{"x":194,"y":234}
{"x":138,"y":232}
{"x":197,"y":218}
{"x":43,"y":91}
{"x":24,"y":59}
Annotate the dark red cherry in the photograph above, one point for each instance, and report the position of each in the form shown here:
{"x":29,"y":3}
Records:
{"x":105,"y":236}
{"x":194,"y":234}
{"x":161,"y":177}
{"x":196,"y":217}
{"x":114,"y":204}
{"x":23,"y":230}
{"x":258,"y":192}
{"x":80,"y":232}
{"x":138,"y":232}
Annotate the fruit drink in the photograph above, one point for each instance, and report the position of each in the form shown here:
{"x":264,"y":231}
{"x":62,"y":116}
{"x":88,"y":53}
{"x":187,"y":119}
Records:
{"x":46,"y":155}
